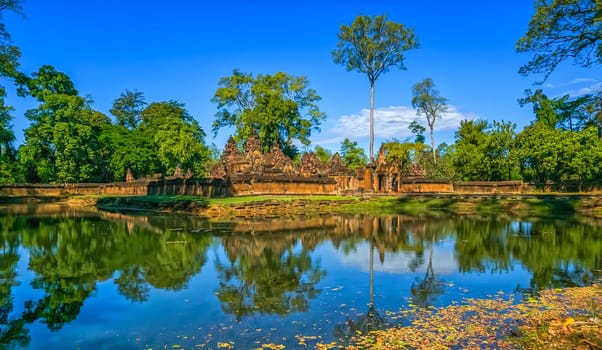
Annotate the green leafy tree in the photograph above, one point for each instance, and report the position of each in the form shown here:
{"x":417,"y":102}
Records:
{"x":9,"y":53}
{"x":280,"y":108}
{"x":127,"y":108}
{"x":61,"y":143}
{"x":538,"y":152}
{"x":9,"y":62}
{"x":177,"y":138}
{"x":403,"y":154}
{"x":566,"y":113}
{"x":443,"y":169}
{"x":322,"y":153}
{"x":469,"y":137}
{"x":428,"y":102}
{"x":561,"y":30}
{"x":549,"y":154}
{"x":418,"y":130}
{"x":352,"y":155}
{"x":128,"y":149}
{"x":372,"y":46}
{"x":486,"y":152}
{"x":9,"y":172}
{"x":45,"y":82}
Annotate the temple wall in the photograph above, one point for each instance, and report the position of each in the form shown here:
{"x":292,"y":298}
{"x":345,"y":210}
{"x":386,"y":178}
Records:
{"x":489,"y":187}
{"x":25,"y":190}
{"x":188,"y":187}
{"x":252,"y":185}
{"x":266,"y":185}
{"x":179,"y":186}
{"x":426,"y":186}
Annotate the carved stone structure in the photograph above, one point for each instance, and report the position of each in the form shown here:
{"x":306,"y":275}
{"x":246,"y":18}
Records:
{"x":249,"y":170}
{"x":252,"y":166}
{"x":128,"y":176}
{"x":252,"y":161}
{"x":311,"y":165}
{"x":254,"y":171}
{"x":178,"y":172}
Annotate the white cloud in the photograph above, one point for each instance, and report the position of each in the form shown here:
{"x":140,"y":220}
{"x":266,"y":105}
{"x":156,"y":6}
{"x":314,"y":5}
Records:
{"x":589,"y":90}
{"x":444,"y":260}
{"x":576,"y":81}
{"x":577,"y":87}
{"x":582,"y":81}
{"x":390,"y":122}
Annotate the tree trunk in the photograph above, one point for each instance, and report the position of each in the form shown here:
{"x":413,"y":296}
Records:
{"x":433,"y":144}
{"x":371,"y":273}
{"x":371,"y":121}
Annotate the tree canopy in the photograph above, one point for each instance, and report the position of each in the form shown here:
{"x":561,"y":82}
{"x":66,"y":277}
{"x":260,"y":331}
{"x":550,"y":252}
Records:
{"x":561,"y":30}
{"x":281,"y":108}
{"x":9,"y":62}
{"x":127,"y":108}
{"x":9,"y":53}
{"x":486,"y":152}
{"x":428,"y":102}
{"x":61,"y":144}
{"x":372,"y":46}
{"x":352,"y":155}
{"x":177,"y":138}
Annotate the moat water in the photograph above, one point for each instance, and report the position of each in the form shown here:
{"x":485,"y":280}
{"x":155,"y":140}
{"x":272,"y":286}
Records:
{"x":78,"y":278}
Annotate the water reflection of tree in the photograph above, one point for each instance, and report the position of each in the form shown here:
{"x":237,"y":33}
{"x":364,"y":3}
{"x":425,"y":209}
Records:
{"x":426,"y":290}
{"x":383,"y":234}
{"x":267,"y":276}
{"x":12,"y":328}
{"x":557,"y":253}
{"x":70,"y":255}
{"x":369,"y":322}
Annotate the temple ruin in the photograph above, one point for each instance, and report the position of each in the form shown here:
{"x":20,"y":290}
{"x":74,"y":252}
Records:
{"x":253,"y":171}
{"x":250,"y":171}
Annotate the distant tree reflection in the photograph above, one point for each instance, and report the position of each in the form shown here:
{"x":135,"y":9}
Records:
{"x":70,"y":255}
{"x":268,"y":267}
{"x":12,"y":327}
{"x":266,"y":276}
{"x":369,"y":322}
{"x":426,"y":290}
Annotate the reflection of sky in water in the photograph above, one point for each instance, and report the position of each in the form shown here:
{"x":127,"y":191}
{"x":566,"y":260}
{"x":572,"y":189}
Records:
{"x":194,"y":315}
{"x":393,"y":278}
{"x":399,"y":262}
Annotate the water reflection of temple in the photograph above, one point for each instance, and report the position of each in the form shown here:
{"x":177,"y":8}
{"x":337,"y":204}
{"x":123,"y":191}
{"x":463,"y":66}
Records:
{"x":389,"y":233}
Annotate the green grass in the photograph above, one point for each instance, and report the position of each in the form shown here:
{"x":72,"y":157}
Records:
{"x":181,"y":202}
{"x":282,"y":198}
{"x":534,"y":206}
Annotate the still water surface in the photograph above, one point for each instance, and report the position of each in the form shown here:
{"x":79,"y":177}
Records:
{"x":78,"y":278}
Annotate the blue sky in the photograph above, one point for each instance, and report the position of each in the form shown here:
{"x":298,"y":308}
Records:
{"x":179,"y":50}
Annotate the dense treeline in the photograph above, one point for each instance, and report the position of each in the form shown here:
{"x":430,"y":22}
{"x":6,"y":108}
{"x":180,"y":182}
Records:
{"x":68,"y":141}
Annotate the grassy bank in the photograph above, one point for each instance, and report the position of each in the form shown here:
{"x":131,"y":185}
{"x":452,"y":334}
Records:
{"x":533,"y":205}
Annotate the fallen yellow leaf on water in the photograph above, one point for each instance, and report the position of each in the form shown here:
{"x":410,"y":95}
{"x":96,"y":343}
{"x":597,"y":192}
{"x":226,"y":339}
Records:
{"x":569,"y":321}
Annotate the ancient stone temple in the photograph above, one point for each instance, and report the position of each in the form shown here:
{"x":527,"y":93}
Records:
{"x":253,"y":171}
{"x":252,"y":161}
{"x":387,"y":175}
{"x":311,"y":165}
